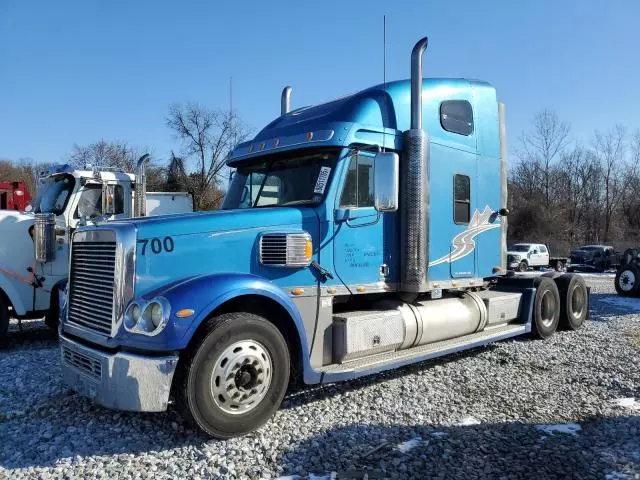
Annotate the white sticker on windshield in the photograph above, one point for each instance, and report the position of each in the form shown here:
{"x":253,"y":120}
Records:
{"x":321,"y":183}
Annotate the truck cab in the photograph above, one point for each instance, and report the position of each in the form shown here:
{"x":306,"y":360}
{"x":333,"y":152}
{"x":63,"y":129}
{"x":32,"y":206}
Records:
{"x":359,"y":235}
{"x":522,"y":256}
{"x":66,"y":199}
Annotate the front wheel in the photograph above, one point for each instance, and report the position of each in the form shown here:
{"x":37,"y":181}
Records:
{"x":627,"y":280}
{"x":233,"y":380}
{"x":4,"y":318}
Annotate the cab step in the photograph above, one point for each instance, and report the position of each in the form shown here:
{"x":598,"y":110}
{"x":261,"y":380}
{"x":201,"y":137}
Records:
{"x":386,"y":361}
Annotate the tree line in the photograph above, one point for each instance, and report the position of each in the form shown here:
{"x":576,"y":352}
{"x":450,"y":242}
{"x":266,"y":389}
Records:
{"x":567,"y":193}
{"x":562,"y":192}
{"x":205,"y":137}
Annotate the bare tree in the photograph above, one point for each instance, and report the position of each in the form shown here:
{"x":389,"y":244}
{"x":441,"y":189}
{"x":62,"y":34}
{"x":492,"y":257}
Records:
{"x":105,"y":154}
{"x":207,"y":137}
{"x":544,"y":145}
{"x":608,"y":149}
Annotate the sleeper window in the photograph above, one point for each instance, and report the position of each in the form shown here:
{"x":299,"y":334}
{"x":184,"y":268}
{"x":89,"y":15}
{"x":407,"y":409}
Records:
{"x":358,"y":186}
{"x":457,"y":116}
{"x":461,"y":199}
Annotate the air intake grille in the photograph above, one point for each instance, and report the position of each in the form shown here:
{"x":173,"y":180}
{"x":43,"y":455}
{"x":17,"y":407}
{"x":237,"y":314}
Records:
{"x":273,"y":249}
{"x":84,"y":363}
{"x":91,"y":285}
{"x":285,"y":249}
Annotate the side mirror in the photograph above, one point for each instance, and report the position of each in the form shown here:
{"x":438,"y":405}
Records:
{"x":386,"y":177}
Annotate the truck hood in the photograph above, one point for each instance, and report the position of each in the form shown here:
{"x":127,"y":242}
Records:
{"x":221,"y":221}
{"x":176,"y":247}
{"x":513,"y":252}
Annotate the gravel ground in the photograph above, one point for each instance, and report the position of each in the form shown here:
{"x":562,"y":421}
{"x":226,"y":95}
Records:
{"x":562,"y":408}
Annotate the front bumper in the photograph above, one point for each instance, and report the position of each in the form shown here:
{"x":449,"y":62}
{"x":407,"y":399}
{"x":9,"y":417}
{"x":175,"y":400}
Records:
{"x":122,"y":381}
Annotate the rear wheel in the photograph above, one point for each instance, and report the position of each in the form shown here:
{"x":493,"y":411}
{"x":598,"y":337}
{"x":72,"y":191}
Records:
{"x":4,"y":318}
{"x":546,"y":308}
{"x":574,"y":301}
{"x":233,"y":380}
{"x":627,"y":280}
{"x":523,"y":266}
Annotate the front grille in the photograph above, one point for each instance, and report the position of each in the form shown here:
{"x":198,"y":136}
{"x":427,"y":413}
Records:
{"x":84,"y":363}
{"x":91,"y":285}
{"x":273,"y":249}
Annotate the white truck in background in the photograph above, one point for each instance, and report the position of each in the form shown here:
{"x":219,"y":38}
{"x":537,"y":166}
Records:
{"x":34,"y":245}
{"x":523,"y":256}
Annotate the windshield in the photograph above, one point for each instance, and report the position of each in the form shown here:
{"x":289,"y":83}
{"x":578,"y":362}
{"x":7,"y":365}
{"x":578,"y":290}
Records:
{"x":590,"y":249}
{"x":284,"y":180}
{"x":520,"y":248}
{"x":53,"y":194}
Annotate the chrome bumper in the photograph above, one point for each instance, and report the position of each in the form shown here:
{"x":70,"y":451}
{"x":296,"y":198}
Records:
{"x":122,"y":381}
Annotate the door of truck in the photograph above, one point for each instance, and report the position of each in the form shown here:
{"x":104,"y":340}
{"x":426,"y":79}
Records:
{"x":364,"y":239}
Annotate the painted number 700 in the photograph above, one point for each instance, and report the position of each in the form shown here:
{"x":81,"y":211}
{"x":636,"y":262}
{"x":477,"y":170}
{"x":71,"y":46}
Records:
{"x":158,"y":245}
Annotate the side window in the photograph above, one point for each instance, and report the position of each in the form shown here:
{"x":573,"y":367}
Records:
{"x":358,"y":186}
{"x":543,"y":249}
{"x":457,"y":116}
{"x":461,"y":199}
{"x":118,"y":200}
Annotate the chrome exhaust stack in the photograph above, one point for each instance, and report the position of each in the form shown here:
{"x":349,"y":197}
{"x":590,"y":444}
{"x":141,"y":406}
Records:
{"x":140,"y":197}
{"x":285,"y":100}
{"x":414,"y":196}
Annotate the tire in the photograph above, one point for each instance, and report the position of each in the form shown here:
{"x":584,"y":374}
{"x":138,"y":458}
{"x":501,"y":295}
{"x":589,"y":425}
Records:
{"x":627,"y":280}
{"x":210,"y":381}
{"x":4,"y":318}
{"x":52,"y":318}
{"x":546,"y":308}
{"x":574,"y":301}
{"x":523,"y":267}
{"x":560,"y":267}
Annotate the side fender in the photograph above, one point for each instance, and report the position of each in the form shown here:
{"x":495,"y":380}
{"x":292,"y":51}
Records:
{"x":6,"y":285}
{"x":204,"y":294}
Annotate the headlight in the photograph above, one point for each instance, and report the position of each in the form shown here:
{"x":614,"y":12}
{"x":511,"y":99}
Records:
{"x":152,"y":315}
{"x":149,"y":318}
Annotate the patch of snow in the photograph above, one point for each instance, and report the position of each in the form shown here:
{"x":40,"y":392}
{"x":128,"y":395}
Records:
{"x":437,"y":434}
{"x":469,"y":420}
{"x":568,"y":428}
{"x":331,"y":476}
{"x":627,"y":403}
{"x":409,"y":445}
{"x":616,"y":476}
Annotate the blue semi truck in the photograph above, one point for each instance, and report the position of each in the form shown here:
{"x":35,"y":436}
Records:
{"x":356,"y":236}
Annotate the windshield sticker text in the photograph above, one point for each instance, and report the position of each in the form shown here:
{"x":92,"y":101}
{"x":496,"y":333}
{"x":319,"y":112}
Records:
{"x":323,"y":177}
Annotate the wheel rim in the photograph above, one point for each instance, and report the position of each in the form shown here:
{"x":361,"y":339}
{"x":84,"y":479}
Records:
{"x":547,"y":309}
{"x":241,"y":377}
{"x":627,"y":280}
{"x":578,"y":301}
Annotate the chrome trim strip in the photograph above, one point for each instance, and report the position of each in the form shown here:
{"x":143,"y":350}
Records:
{"x":503,"y":185}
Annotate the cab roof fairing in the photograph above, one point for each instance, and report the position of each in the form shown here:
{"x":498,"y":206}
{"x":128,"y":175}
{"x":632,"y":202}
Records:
{"x":359,"y":118}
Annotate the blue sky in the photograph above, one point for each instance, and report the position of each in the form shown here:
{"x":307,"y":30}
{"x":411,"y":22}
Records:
{"x":78,"y":71}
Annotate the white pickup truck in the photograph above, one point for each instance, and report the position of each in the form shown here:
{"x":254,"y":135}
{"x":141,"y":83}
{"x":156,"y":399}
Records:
{"x":523,"y":256}
{"x":34,"y":245}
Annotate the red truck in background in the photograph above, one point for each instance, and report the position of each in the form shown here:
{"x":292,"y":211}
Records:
{"x":14,"y":196}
